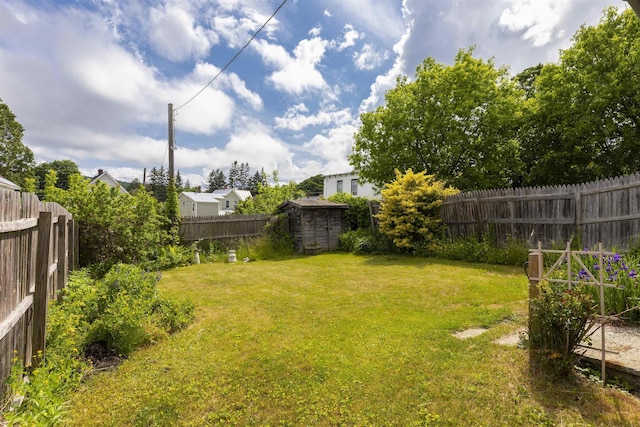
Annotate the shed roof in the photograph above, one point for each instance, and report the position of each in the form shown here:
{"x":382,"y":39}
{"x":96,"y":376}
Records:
{"x":313,"y":204}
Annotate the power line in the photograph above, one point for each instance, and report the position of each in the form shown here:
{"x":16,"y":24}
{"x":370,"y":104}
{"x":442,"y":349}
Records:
{"x":234,"y":57}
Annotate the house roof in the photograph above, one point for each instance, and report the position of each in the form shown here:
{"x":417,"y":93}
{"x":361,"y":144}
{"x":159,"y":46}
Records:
{"x":6,"y":184}
{"x":311,"y":204}
{"x":335,"y":175}
{"x":104,"y":176}
{"x":241,"y":194}
{"x":201,"y":197}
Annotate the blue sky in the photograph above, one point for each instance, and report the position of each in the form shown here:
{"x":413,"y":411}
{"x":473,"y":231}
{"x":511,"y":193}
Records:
{"x":90,"y":81}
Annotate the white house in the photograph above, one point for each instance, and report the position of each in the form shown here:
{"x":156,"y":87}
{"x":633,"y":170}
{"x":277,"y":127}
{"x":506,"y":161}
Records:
{"x":220,"y":202}
{"x":230,"y":197}
{"x":5,"y":184}
{"x":104,"y":176}
{"x":348,"y":183}
{"x":198,"y":204}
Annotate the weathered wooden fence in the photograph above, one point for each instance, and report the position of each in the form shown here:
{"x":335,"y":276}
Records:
{"x":606,"y":211}
{"x":38,"y":247}
{"x":223,"y":228}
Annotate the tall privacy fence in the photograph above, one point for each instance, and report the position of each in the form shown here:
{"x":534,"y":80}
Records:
{"x":38,"y":247}
{"x":606,"y":211}
{"x":224,"y":228}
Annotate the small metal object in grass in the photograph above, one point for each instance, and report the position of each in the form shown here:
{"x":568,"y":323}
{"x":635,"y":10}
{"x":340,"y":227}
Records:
{"x":232,"y":256}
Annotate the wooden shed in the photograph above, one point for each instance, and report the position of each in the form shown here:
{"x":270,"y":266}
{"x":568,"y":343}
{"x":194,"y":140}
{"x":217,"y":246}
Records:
{"x":315,"y":224}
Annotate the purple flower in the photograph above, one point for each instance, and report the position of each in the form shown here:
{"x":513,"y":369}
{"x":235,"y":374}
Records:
{"x":617,"y":257}
{"x":633,"y":274}
{"x":596,"y":267}
{"x":583,"y":275}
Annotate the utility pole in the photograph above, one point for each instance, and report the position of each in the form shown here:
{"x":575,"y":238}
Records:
{"x":172,"y":145}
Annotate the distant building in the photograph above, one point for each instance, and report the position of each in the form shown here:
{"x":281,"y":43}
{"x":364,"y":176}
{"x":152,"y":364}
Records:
{"x":230,"y":197}
{"x":348,"y":183}
{"x":104,"y":176}
{"x":220,"y":202}
{"x":5,"y":184}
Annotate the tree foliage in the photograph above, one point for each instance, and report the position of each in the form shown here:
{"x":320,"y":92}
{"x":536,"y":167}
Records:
{"x":64,"y":169}
{"x":584,"y":121}
{"x":269,"y":197}
{"x":357,"y":215}
{"x":216,"y":181}
{"x":313,"y":185}
{"x":16,"y":159}
{"x":409,"y":209}
{"x":456,"y":122}
{"x":113,"y":227}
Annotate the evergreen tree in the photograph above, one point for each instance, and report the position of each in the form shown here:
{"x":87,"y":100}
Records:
{"x":234,"y":175}
{"x":159,"y":183}
{"x":179,"y":186}
{"x":258,"y":179}
{"x":216,"y":181}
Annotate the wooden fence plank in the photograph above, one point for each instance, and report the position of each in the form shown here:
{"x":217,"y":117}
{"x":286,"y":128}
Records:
{"x":45,"y":222}
{"x":602,"y":211}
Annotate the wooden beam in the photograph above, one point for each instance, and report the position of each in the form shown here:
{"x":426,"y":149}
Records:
{"x":635,"y":4}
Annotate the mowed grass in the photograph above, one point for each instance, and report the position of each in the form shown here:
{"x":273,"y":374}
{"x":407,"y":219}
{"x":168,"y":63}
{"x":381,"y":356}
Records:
{"x":338,"y":339}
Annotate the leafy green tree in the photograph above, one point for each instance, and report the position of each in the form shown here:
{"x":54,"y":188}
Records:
{"x":456,"y":122}
{"x":16,"y":159}
{"x":113,"y":227}
{"x":584,"y":122}
{"x":269,"y":197}
{"x":233,"y":177}
{"x":216,"y":181}
{"x":64,"y":169}
{"x":313,"y":185}
{"x":409,"y":209}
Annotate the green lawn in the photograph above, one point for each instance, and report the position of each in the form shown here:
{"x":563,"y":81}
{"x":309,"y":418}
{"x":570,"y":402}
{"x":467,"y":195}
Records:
{"x":338,"y":339}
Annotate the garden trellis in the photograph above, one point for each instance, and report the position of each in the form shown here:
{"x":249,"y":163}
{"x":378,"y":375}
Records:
{"x":571,"y":269}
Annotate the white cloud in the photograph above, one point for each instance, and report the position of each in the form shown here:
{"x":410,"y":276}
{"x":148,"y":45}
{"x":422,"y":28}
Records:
{"x":379,"y":18}
{"x":315,"y":31}
{"x":334,"y":148}
{"x":350,"y":37}
{"x":327,"y":13}
{"x":539,"y":19}
{"x":295,"y":120}
{"x":369,"y":58}
{"x":295,"y":73}
{"x":173,"y":34}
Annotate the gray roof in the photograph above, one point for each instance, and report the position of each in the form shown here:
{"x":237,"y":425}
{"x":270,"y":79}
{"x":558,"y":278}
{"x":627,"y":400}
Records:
{"x":202,"y":197}
{"x":6,"y":184}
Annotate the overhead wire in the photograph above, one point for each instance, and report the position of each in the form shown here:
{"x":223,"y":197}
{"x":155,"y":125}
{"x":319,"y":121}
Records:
{"x":234,"y":57}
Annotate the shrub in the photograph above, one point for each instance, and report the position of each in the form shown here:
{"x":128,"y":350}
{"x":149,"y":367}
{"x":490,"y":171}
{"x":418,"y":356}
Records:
{"x":123,"y":311}
{"x":364,"y":242}
{"x":477,"y":250}
{"x":409,"y":209}
{"x":357,"y":215}
{"x":561,"y":319}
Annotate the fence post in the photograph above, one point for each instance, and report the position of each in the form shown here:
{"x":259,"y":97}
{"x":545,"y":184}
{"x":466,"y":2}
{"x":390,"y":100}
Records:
{"x":534,"y":272}
{"x":63,"y":250}
{"x":42,"y":285}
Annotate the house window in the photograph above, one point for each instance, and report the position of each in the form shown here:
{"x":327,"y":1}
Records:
{"x":339,"y":186}
{"x":235,"y":204}
{"x":227,"y":204}
{"x":193,"y":207}
{"x":354,"y":187}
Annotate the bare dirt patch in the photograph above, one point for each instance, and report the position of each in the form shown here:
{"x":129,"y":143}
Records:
{"x":470,"y":333}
